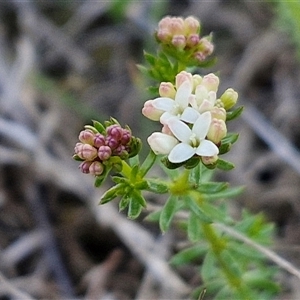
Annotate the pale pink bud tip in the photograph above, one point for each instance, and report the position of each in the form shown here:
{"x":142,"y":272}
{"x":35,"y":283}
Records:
{"x":166,"y":89}
{"x":87,"y":136}
{"x":217,"y":131}
{"x":96,"y":168}
{"x":150,"y":112}
{"x":85,"y":151}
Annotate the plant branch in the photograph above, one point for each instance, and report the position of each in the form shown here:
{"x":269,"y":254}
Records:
{"x":281,"y":262}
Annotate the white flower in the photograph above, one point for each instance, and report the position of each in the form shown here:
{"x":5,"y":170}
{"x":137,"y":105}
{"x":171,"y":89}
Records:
{"x":192,"y":140}
{"x":203,"y":100}
{"x":178,"y":107}
{"x":162,"y":143}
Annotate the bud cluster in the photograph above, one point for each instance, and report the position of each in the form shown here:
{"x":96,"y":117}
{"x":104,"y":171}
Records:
{"x":183,"y":34}
{"x":96,"y":149}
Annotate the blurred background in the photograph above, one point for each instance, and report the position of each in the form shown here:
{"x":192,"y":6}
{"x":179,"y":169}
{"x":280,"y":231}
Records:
{"x":64,"y":63}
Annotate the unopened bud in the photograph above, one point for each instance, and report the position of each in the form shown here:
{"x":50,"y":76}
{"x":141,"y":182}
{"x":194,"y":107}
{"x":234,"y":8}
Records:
{"x":151,"y":112}
{"x":99,"y":140}
{"x":96,"y":168}
{"x":126,"y":136}
{"x":182,"y":77}
{"x":192,"y":40}
{"x":211,"y":82}
{"x":218,"y":113}
{"x":191,"y":25}
{"x":179,"y":41}
{"x":86,"y":136}
{"x":217,"y":131}
{"x":229,"y":98}
{"x":115,"y":131}
{"x":104,"y":152}
{"x":166,"y":89}
{"x":85,"y":151}
{"x":209,"y":160}
{"x":84,"y":167}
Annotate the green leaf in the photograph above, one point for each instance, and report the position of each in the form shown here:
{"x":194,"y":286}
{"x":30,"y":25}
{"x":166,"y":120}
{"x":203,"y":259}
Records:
{"x":230,"y":138}
{"x":150,"y":58}
{"x":153,"y":216}
{"x":208,"y":269}
{"x":212,"y":187}
{"x":112,"y":193}
{"x":224,"y":165}
{"x":195,"y":175}
{"x":231,"y":263}
{"x":137,"y":196}
{"x":216,"y":213}
{"x":124,"y":202}
{"x":228,"y":193}
{"x":230,"y":115}
{"x":99,"y":126}
{"x":168,"y":212}
{"x":147,"y":164}
{"x":134,"y":209}
{"x":194,"y":227}
{"x":157,"y":186}
{"x":194,"y":207}
{"x":189,"y":255}
{"x":134,"y":172}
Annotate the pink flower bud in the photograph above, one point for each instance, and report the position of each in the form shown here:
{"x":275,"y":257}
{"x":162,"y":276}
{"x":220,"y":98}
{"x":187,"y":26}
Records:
{"x":151,"y":112}
{"x":192,"y":40}
{"x":111,"y":142}
{"x":205,"y":47}
{"x":179,"y":41}
{"x":120,"y":151}
{"x":176,"y":26}
{"x":86,"y":136}
{"x":104,"y":152}
{"x":126,"y":136}
{"x":96,"y":168}
{"x":115,"y":131}
{"x":99,"y":140}
{"x":84,"y":167}
{"x":85,"y":151}
{"x":166,"y":89}
{"x":211,"y":82}
{"x":182,"y":77}
{"x":229,"y":98}
{"x":209,"y":160}
{"x":218,"y":113}
{"x":191,"y":25}
{"x":217,"y":131}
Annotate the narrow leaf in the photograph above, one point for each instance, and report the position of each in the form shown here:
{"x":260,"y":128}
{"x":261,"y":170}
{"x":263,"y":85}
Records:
{"x":168,"y":213}
{"x":194,"y":227}
{"x":147,"y":164}
{"x":134,"y":209}
{"x":156,"y":186}
{"x":224,"y":165}
{"x":230,"y":115}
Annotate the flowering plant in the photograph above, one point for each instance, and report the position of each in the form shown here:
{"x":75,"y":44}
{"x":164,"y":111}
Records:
{"x":193,"y":115}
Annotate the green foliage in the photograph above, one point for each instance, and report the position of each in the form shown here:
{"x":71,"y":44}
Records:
{"x":288,"y":18}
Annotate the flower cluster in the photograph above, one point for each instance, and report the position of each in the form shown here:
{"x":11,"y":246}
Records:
{"x":102,"y":147}
{"x":183,"y":34}
{"x":192,"y":116}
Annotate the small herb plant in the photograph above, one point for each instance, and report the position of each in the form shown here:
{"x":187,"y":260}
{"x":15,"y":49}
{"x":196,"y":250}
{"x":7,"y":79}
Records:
{"x":193,"y":114}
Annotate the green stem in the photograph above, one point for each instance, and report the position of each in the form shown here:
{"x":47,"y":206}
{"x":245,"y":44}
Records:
{"x":218,"y":245}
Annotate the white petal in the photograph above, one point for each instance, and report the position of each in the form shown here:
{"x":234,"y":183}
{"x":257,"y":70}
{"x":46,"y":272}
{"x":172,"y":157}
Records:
{"x":165,"y":117}
{"x":163,"y":103}
{"x":183,"y":93}
{"x":202,"y":124}
{"x":207,"y":148}
{"x":190,"y":115}
{"x":181,"y":153}
{"x":206,"y":105}
{"x":161,"y":143}
{"x":179,"y":129}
